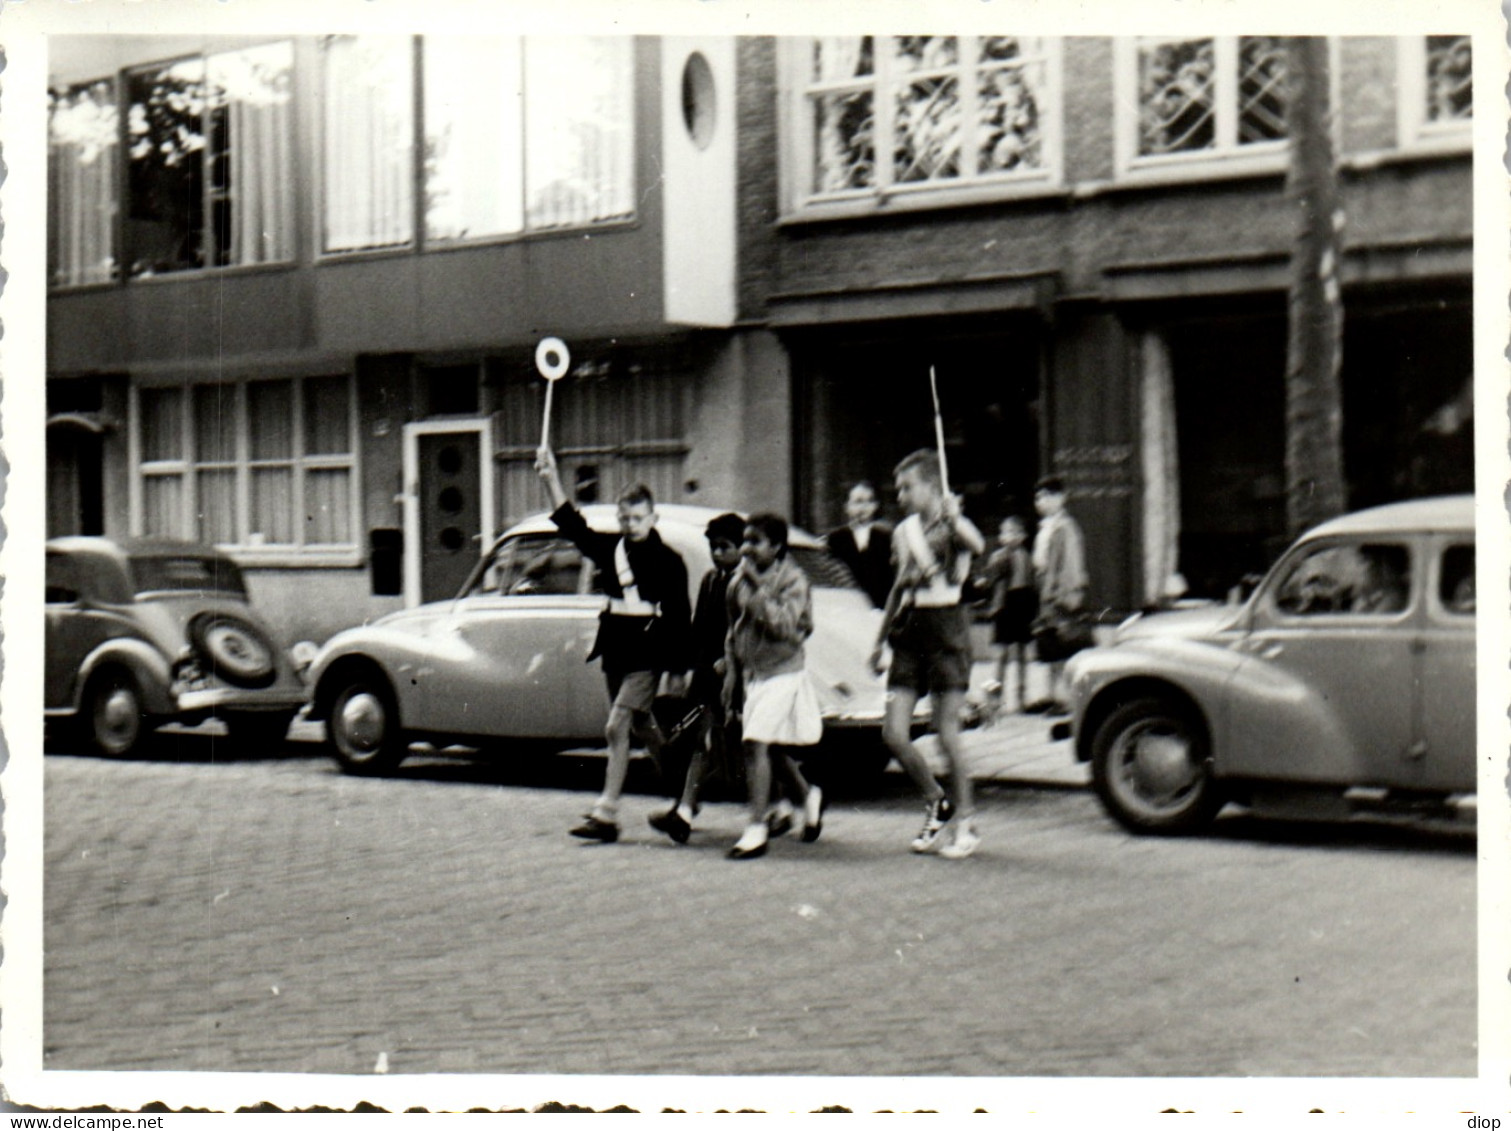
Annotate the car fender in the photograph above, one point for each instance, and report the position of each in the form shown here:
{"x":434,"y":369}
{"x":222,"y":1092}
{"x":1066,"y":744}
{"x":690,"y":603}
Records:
{"x":153,"y":673}
{"x":408,"y":642}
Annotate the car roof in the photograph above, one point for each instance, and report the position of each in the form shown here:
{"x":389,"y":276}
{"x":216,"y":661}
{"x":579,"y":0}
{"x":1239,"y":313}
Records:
{"x":692,"y":520}
{"x":1441,"y":514}
{"x":121,"y":548}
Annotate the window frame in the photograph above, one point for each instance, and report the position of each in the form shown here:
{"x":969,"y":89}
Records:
{"x":1226,"y":157}
{"x":1280,"y":617}
{"x":186,"y":466}
{"x":796,"y":139}
{"x":1415,"y":132}
{"x":118,"y":187}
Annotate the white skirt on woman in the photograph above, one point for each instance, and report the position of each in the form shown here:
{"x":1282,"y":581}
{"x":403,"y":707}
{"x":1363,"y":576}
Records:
{"x":782,"y":709}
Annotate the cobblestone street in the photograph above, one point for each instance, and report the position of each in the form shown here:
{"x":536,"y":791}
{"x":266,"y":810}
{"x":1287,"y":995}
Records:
{"x":274,"y":915}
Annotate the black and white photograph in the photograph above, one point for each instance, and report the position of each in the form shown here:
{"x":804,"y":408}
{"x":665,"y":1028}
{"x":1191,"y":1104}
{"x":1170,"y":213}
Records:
{"x":685,"y":556}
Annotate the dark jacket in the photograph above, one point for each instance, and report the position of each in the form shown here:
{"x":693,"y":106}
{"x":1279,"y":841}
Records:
{"x":631,"y":644}
{"x":873,"y":567}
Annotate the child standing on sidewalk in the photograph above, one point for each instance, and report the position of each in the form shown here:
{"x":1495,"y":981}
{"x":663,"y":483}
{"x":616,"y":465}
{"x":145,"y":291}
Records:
{"x":1013,"y":605}
{"x":710,"y":630}
{"x":770,"y":616}
{"x":926,"y":627}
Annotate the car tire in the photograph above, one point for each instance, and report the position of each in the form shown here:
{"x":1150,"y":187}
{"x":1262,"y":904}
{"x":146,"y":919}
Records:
{"x":362,"y":727}
{"x":1151,"y":766}
{"x":113,"y":716}
{"x":235,"y":649}
{"x":257,"y":733}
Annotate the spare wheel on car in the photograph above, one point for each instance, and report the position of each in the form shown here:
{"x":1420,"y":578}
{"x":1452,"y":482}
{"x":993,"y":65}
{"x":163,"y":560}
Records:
{"x":234,"y":649}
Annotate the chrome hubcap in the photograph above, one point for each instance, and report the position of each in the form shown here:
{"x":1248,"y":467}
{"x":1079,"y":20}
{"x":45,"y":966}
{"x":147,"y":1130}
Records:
{"x":1158,"y":765}
{"x":118,"y":714}
{"x":362,"y":722}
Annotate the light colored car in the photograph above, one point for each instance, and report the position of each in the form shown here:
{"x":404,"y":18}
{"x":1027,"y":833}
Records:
{"x":144,"y":631}
{"x":506,"y":658}
{"x":1345,"y":681}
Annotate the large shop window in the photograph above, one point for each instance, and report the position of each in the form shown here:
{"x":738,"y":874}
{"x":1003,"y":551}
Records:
{"x":1436,"y":91}
{"x":255,"y":465}
{"x":875,"y":117}
{"x":209,"y":161}
{"x":1200,"y":99}
{"x":517,"y":135}
{"x":83,"y":204}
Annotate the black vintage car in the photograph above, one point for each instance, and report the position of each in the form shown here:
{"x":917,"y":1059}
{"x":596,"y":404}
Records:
{"x":141,"y":632}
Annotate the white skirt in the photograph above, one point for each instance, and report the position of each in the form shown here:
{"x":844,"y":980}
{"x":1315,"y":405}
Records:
{"x":782,"y":709}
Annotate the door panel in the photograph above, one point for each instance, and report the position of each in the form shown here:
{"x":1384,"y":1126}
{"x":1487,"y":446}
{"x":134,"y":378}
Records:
{"x":450,"y":493}
{"x":1446,"y":672}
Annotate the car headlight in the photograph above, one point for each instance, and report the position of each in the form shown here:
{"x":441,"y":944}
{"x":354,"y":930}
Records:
{"x":303,"y":655}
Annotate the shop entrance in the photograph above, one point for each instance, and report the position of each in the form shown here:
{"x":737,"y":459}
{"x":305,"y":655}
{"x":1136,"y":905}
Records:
{"x":864,"y":402}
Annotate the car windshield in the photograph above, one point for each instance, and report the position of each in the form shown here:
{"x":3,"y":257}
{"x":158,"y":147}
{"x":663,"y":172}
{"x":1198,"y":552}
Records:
{"x":1346,"y":578}
{"x":532,"y":565}
{"x":823,"y":568}
{"x":188,"y":573}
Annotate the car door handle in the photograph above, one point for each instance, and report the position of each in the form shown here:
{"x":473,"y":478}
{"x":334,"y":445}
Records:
{"x":1271,"y":651}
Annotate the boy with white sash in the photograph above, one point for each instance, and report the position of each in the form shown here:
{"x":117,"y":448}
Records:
{"x":643,"y":632}
{"x":926,"y":627}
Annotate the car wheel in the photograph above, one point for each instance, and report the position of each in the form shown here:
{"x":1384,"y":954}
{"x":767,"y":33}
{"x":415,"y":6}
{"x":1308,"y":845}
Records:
{"x":1152,"y":768}
{"x":257,"y":732}
{"x":113,"y":715}
{"x":236,"y":650}
{"x":363,"y":728}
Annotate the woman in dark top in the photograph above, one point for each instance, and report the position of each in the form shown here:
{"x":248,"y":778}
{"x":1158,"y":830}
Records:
{"x":864,"y":544}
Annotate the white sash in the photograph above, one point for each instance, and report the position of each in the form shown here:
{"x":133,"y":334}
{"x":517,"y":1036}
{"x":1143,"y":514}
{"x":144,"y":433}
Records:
{"x":937,"y":590}
{"x":630,"y":605}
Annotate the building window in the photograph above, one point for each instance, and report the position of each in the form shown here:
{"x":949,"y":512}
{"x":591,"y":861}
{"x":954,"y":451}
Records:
{"x":209,"y":161}
{"x":1201,"y":98}
{"x":1436,"y":91}
{"x":257,"y":464}
{"x":879,"y":116}
{"x":506,"y":146}
{"x":83,"y":146}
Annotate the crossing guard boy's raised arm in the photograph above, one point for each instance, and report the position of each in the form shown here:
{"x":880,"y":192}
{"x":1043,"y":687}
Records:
{"x":642,"y":634}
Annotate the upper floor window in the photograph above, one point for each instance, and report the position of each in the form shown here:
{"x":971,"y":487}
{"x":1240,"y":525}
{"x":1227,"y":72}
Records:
{"x":515,"y":135}
{"x":1436,"y":90}
{"x":209,"y":161}
{"x":874,"y":117}
{"x":256,"y":464}
{"x":83,"y":147}
{"x":1200,"y":98}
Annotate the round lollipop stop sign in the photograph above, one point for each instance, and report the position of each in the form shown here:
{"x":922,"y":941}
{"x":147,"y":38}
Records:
{"x":552,"y":358}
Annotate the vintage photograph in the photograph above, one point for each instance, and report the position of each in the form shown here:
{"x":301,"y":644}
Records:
{"x":643,"y":555}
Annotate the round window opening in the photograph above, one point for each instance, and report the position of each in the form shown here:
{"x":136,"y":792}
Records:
{"x":698,"y":99}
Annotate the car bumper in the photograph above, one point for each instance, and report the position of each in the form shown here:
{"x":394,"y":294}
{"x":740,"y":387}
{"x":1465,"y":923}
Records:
{"x":211,"y":699}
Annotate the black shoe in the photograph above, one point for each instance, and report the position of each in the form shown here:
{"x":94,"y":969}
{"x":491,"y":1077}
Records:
{"x":594,"y":829}
{"x":778,"y":824}
{"x":738,"y":853}
{"x":672,"y":824}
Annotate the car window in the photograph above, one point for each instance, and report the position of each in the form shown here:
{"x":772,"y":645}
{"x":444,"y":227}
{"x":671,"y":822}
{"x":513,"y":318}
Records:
{"x":1347,"y":579}
{"x":62,"y":580}
{"x":532,"y":565}
{"x":823,"y":568}
{"x":186,"y":572}
{"x":1456,"y":580}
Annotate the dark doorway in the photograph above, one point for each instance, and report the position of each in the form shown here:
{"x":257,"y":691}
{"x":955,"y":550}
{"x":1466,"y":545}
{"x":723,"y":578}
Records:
{"x":75,"y":480}
{"x":864,"y":403}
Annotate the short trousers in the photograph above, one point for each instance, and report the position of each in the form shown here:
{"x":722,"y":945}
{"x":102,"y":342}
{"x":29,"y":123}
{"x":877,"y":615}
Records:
{"x":1014,"y":624}
{"x":931,"y":651}
{"x":782,"y":709}
{"x":634,"y":691}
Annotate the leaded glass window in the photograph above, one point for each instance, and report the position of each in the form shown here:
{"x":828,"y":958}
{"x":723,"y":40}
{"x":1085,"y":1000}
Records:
{"x":1209,"y":96}
{"x":1450,"y":69}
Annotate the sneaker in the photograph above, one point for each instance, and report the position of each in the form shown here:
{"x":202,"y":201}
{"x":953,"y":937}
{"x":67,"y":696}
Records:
{"x":963,"y":842}
{"x":594,"y":828}
{"x":935,"y":816}
{"x":813,"y":814}
{"x":752,"y":843}
{"x":672,"y":824}
{"x":779,"y":820}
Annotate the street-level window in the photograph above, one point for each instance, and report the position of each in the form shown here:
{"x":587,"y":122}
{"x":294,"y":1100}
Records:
{"x":263,"y":464}
{"x":526,"y":134}
{"x":875,"y":117}
{"x":1200,"y":98}
{"x":83,"y":147}
{"x":209,"y":162}
{"x":1436,"y":91}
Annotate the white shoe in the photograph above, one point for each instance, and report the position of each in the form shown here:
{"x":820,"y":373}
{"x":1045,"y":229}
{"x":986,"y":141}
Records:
{"x":963,"y":842}
{"x":813,"y":814}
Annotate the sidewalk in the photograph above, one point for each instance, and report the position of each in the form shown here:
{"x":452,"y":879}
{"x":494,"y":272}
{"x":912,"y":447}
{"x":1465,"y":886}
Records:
{"x":1015,"y":749}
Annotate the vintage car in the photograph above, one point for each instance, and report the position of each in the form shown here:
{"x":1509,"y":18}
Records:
{"x":142,"y":632}
{"x":1344,"y":682}
{"x":506,"y":658}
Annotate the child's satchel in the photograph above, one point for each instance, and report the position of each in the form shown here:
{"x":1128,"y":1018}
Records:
{"x":1060,"y":634}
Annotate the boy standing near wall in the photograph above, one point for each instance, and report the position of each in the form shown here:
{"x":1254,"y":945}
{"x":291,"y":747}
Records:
{"x":926,"y":626}
{"x":642,"y":634}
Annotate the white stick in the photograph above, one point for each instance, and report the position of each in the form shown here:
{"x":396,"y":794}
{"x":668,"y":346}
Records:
{"x":944,"y":467}
{"x":545,"y":420}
